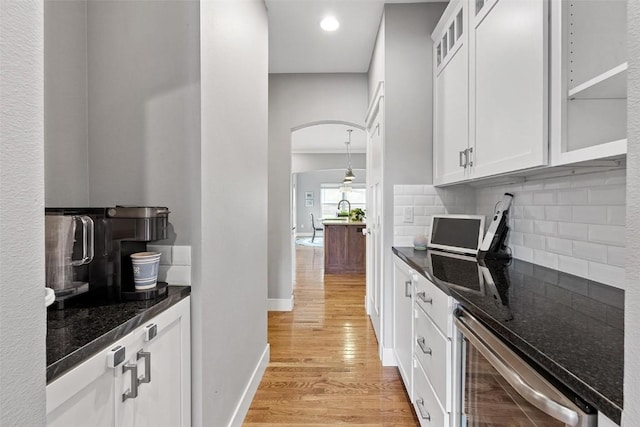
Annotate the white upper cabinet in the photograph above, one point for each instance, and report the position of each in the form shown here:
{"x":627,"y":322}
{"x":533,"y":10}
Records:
{"x":451,"y":95}
{"x":508,"y":86}
{"x":491,"y":89}
{"x":527,"y":84}
{"x":589,"y":80}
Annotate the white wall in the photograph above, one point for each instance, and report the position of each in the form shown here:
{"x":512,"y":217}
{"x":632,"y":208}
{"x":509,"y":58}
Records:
{"x":123,"y":106}
{"x":230,"y":258}
{"x":144,"y":105}
{"x":403,"y":59}
{"x":631,"y":413}
{"x":296,"y":100}
{"x":66,"y":103}
{"x":314,"y":162}
{"x":22,"y":312}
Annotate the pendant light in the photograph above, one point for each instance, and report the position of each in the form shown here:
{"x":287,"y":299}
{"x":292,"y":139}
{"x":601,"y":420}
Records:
{"x":349,"y":176}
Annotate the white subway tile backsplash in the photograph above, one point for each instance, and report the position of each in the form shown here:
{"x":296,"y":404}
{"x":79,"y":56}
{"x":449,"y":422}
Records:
{"x":558,"y":213}
{"x":587,"y":180}
{"x":523,"y":199}
{"x":572,"y":197}
{"x":181,"y":255}
{"x":523,"y":253}
{"x":572,"y":265}
{"x":616,"y":215}
{"x":559,"y":246}
{"x":424,"y":200}
{"x":614,"y":177}
{"x":590,"y":214}
{"x":403,"y":200}
{"x":533,"y":212}
{"x":165,"y":253}
{"x":534,"y":241}
{"x":556,"y":183}
{"x":609,"y":274}
{"x":573,"y":231}
{"x":523,"y":225}
{"x":616,"y":256}
{"x":516,"y":238}
{"x":545,"y":259}
{"x":176,"y":274}
{"x":545,"y":227}
{"x":608,"y":234}
{"x":607,"y":195}
{"x":590,"y":251}
{"x":573,"y":223}
{"x":544,"y":198}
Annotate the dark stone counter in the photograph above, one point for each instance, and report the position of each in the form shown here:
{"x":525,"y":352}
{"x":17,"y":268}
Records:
{"x":77,"y":333}
{"x":573,"y":328}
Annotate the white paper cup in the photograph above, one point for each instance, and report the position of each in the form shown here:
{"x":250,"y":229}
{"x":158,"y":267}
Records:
{"x":145,"y":269}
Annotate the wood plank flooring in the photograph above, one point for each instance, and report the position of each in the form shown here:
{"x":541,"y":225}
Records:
{"x":324,"y":368}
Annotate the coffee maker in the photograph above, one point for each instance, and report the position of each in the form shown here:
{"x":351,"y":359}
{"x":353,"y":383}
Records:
{"x":99,"y":270}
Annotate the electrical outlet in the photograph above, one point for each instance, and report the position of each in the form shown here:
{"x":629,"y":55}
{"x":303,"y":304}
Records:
{"x":408,"y":214}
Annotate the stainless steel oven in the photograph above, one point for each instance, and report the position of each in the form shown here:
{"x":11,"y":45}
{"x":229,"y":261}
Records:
{"x":499,"y":388}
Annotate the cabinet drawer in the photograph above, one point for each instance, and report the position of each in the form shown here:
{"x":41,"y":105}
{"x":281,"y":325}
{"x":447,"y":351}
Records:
{"x":436,"y":304}
{"x":427,"y":408}
{"x":433,"y":352}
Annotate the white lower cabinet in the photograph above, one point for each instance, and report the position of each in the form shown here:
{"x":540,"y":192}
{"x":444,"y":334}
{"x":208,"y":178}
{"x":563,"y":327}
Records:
{"x":403,"y":320}
{"x":425,"y":403}
{"x":150,"y":386}
{"x":427,"y":366}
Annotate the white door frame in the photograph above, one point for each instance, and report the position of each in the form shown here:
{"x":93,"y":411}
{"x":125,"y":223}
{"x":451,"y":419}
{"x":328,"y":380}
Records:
{"x":374,"y":298}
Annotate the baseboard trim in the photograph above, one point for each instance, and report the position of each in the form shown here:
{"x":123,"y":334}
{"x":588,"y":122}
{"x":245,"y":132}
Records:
{"x":249,"y":392}
{"x":388,"y":357}
{"x":282,"y":304}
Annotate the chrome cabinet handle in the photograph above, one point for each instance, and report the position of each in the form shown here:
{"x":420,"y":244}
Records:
{"x":423,"y":298}
{"x":468,"y":156}
{"x":147,"y":367}
{"x":407,"y":288}
{"x":132,"y":393}
{"x":463,"y":164}
{"x":424,"y":414}
{"x":423,"y":346}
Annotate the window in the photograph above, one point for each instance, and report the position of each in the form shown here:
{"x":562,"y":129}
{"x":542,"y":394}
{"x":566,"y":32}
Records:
{"x":330,"y":195}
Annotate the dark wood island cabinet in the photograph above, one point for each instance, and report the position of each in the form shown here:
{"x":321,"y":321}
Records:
{"x":344,"y":247}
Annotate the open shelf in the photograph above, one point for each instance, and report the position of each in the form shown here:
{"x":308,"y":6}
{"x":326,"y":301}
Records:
{"x":612,"y":84}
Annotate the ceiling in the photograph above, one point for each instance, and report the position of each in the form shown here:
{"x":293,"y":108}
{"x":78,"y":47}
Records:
{"x":327,"y":138}
{"x":297,"y":44}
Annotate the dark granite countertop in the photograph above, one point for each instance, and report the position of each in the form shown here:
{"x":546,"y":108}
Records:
{"x":77,"y":333}
{"x":573,"y":328}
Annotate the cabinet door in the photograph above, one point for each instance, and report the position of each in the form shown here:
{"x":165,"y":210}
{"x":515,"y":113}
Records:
{"x":93,"y":402}
{"x":164,"y":361}
{"x":356,"y":252}
{"x":403,"y":321}
{"x":509,"y":78}
{"x":451,"y":93}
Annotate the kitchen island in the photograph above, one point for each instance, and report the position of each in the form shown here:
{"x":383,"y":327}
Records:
{"x":344,"y":247}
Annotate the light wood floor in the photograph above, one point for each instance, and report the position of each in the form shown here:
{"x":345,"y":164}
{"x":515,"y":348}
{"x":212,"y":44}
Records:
{"x":324,"y":368}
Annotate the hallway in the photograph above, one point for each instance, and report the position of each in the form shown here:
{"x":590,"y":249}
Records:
{"x":324,"y":368}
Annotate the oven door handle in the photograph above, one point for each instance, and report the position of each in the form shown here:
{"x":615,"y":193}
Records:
{"x":528,"y":383}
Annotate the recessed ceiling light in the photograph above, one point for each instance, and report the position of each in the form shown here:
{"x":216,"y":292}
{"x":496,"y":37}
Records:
{"x":329,"y":24}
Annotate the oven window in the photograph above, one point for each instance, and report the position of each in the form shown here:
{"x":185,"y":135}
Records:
{"x":490,"y":401}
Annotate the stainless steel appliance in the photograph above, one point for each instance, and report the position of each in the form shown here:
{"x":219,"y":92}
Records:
{"x":69,"y":244}
{"x":117,"y":232}
{"x":500,"y":388}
